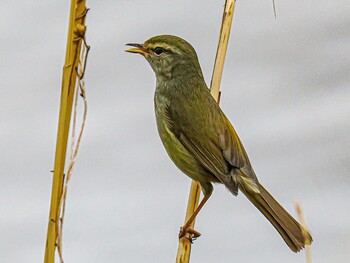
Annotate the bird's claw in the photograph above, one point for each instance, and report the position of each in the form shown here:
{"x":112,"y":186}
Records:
{"x":193,"y":234}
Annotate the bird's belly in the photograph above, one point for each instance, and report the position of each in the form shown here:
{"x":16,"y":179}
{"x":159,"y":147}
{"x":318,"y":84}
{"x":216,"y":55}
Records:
{"x":181,"y":157}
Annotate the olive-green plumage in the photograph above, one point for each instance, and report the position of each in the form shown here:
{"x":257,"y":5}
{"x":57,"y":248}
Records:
{"x":199,"y":138}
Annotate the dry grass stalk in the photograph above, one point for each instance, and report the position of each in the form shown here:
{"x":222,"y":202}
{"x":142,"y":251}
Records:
{"x":302,"y":220}
{"x":74,"y":144}
{"x":184,"y":249}
{"x":76,"y":32}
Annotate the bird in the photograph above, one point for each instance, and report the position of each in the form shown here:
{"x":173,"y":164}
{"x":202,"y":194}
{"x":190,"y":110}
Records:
{"x":201,"y":140}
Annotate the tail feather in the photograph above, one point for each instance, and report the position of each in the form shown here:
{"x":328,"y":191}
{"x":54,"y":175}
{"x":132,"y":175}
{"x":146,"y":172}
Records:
{"x":295,"y":236}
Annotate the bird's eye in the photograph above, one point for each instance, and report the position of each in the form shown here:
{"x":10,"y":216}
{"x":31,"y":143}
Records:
{"x":158,"y":50}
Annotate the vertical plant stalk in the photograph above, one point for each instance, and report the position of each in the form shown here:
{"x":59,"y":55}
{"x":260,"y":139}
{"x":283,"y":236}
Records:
{"x":75,"y":32}
{"x":184,"y":249}
{"x":75,"y":143}
{"x":301,"y":216}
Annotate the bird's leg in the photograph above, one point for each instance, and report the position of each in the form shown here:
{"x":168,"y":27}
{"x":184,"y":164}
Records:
{"x":186,"y":227}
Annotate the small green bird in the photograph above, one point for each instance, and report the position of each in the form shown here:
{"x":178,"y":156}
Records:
{"x":200,"y":139}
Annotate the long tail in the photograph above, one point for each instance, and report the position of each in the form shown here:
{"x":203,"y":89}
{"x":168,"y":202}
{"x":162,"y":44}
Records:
{"x":295,"y":236}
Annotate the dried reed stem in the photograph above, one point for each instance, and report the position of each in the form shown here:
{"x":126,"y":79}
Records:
{"x":75,"y":32}
{"x":301,"y":216}
{"x":184,"y":249}
{"x":74,"y":144}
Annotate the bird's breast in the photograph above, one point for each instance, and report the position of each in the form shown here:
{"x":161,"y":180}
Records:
{"x":181,"y":157}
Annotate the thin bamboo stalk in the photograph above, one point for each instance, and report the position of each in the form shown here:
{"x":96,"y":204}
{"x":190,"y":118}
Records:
{"x":75,"y":144}
{"x":301,"y":216}
{"x":75,"y":31}
{"x":184,"y":248}
{"x":222,"y":47}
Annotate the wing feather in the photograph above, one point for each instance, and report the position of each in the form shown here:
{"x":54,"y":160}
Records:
{"x":219,"y":149}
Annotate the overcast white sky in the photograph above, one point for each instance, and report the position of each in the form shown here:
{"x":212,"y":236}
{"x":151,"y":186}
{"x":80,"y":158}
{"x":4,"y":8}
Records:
{"x":285,"y":88}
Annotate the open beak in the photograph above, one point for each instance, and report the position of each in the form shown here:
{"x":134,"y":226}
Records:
{"x":137,"y":48}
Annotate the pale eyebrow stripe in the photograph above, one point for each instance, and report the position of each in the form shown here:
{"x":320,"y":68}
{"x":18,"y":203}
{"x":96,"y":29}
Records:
{"x":165,"y":46}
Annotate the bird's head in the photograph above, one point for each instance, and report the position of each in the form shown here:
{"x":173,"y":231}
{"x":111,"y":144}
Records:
{"x":169,"y":56}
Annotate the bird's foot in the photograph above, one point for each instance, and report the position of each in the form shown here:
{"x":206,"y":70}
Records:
{"x":193,"y":234}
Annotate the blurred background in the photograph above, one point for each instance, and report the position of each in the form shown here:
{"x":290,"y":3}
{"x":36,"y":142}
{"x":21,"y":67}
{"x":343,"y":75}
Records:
{"x":285,"y":88}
